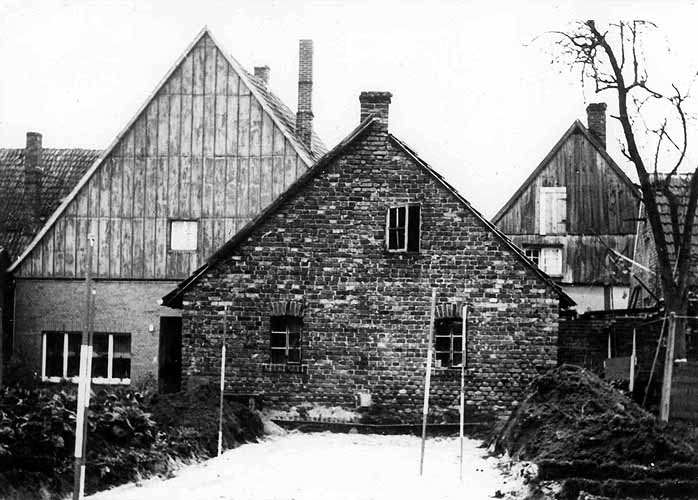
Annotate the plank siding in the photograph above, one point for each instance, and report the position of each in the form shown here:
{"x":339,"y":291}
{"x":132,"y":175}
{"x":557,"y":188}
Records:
{"x":202,"y":149}
{"x":600,"y":211}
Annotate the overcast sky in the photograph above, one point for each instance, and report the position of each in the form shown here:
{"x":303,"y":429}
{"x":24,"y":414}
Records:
{"x":473,"y":92}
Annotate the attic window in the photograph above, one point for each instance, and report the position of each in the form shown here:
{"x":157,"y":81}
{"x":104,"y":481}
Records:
{"x":548,"y":259}
{"x":183,"y":235}
{"x":402,"y":228}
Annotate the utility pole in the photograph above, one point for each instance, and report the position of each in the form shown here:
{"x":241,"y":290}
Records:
{"x":463,"y":360}
{"x":220,"y":403}
{"x":84,"y":380}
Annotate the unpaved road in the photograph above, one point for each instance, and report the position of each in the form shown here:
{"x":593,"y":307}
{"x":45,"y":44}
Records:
{"x":326,"y":466}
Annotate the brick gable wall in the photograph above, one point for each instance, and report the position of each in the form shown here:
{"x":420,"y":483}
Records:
{"x":366,"y":311}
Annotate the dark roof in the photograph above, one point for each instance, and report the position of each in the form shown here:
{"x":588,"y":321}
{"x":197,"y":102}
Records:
{"x":287,"y":117}
{"x":174,"y":298}
{"x":679,"y":186}
{"x":62,"y":168}
{"x":576,"y":127}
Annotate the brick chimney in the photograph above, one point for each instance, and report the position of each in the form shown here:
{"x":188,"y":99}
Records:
{"x":304,"y":116}
{"x":262,"y":72}
{"x":376,"y":104}
{"x":596,"y":121}
{"x":33,"y":173}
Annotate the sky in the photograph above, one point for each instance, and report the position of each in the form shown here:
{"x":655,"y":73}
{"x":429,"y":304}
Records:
{"x":475,"y":90}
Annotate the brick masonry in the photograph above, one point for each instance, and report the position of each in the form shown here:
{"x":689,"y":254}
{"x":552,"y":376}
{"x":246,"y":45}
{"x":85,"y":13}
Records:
{"x":366,"y":311}
{"x":120,"y":306}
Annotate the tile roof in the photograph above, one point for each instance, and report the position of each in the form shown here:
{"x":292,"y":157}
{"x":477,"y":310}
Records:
{"x":62,"y":169}
{"x":287,"y":117}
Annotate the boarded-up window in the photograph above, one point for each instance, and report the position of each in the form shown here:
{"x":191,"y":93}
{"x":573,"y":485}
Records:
{"x":285,"y":339}
{"x":183,"y":235}
{"x":403,"y":228}
{"x":551,"y":260}
{"x":111,"y":357}
{"x":553,"y":210}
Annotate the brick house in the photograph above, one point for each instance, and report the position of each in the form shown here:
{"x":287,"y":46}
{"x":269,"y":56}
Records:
{"x":210,"y":148}
{"x":328,"y":291}
{"x":574,"y":212}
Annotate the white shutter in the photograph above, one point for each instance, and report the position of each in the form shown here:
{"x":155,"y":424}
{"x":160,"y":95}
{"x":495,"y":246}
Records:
{"x":551,"y":260}
{"x":553,"y":210}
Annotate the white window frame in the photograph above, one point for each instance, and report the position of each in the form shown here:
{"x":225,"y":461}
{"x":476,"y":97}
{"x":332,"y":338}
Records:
{"x":557,"y":198}
{"x":170,"y":239}
{"x":533,"y":254}
{"x":451,"y":351}
{"x":406,"y":208}
{"x":109,"y":380}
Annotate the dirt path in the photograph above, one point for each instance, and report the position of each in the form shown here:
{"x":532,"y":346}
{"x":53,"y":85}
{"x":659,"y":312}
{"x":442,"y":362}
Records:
{"x":331,"y":466}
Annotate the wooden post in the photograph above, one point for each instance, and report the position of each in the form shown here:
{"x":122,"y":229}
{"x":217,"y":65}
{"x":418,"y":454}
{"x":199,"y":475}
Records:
{"x":654,"y":361}
{"x":464,"y":341}
{"x":84,"y":380}
{"x":668,"y":370}
{"x":633,"y":357}
{"x":220,"y":403}
{"x":427,"y":381}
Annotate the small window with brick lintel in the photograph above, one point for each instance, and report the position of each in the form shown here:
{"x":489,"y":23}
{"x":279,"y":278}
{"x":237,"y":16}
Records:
{"x":285,"y":340}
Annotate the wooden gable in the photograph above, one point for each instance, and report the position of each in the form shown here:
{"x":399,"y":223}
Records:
{"x":205,"y":147}
{"x":600,"y":199}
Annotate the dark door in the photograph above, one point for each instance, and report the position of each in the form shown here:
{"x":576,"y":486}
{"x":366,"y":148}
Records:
{"x":170,"y":355}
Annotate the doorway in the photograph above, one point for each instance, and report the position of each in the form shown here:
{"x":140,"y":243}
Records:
{"x":170,"y":355}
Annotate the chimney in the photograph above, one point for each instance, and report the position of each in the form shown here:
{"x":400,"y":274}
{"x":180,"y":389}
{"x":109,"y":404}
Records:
{"x":376,"y":104}
{"x":262,"y":72}
{"x":596,"y":121}
{"x":304,"y":116}
{"x":33,"y":173}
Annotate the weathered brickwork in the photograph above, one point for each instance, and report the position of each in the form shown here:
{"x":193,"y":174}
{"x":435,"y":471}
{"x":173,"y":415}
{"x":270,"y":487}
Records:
{"x":366,"y":311}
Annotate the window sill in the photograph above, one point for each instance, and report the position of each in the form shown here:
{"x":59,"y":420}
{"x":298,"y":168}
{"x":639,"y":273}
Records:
{"x":95,"y":380}
{"x":448,"y":372}
{"x":284,"y":368}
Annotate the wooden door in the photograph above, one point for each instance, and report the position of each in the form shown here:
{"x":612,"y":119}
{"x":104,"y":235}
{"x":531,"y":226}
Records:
{"x":170,"y":354}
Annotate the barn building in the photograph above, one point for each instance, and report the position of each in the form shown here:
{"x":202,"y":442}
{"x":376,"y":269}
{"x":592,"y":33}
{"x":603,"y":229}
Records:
{"x":574,"y":212}
{"x":210,"y":148}
{"x":326,"y":295}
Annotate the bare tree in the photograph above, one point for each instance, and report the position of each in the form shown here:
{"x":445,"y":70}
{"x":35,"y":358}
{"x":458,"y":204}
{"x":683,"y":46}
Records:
{"x":613,"y":59}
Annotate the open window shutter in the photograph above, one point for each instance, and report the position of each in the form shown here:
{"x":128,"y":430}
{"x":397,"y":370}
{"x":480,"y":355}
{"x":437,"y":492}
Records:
{"x":545,"y":211}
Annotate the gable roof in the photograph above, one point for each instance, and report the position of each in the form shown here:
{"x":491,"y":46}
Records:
{"x":280,"y":114}
{"x":576,"y":127}
{"x":61,"y":170}
{"x":174,"y":298}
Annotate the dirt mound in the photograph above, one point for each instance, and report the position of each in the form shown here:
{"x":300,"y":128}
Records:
{"x":194,"y":417}
{"x":571,"y":414}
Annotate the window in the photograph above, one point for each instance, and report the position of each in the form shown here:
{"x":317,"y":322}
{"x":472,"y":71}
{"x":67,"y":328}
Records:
{"x":553,"y":210}
{"x":533,"y":254}
{"x":285,"y":339}
{"x":402,"y":228}
{"x":448,"y":342}
{"x":183,"y":235}
{"x":111,"y":357}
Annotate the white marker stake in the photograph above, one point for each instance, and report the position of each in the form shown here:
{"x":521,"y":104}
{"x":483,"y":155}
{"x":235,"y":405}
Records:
{"x":220,"y":409}
{"x":464,"y":340}
{"x":427,"y":382}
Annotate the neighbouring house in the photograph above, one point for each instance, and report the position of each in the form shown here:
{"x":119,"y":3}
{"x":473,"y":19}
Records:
{"x":326,"y":295}
{"x":575,"y":213}
{"x":33,"y":182}
{"x":210,"y":148}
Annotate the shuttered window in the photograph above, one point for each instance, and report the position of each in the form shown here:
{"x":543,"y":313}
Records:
{"x":551,"y":260}
{"x":184,"y":235}
{"x":553,"y":210}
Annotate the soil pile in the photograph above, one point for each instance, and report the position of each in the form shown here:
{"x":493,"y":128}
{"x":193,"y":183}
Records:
{"x":571,"y":414}
{"x":194,"y":416}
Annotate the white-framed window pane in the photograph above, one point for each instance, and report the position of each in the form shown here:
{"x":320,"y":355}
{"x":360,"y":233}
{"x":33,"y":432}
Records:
{"x":533,"y":254}
{"x":183,"y":235}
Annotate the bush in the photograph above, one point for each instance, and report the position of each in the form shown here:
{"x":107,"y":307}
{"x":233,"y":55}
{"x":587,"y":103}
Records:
{"x":130,"y":435}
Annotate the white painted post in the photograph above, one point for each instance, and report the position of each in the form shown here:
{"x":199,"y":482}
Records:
{"x":84,"y":380}
{"x":427,"y":381}
{"x":464,"y":339}
{"x":631,"y":385}
{"x":220,"y":409}
{"x":665,"y":403}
